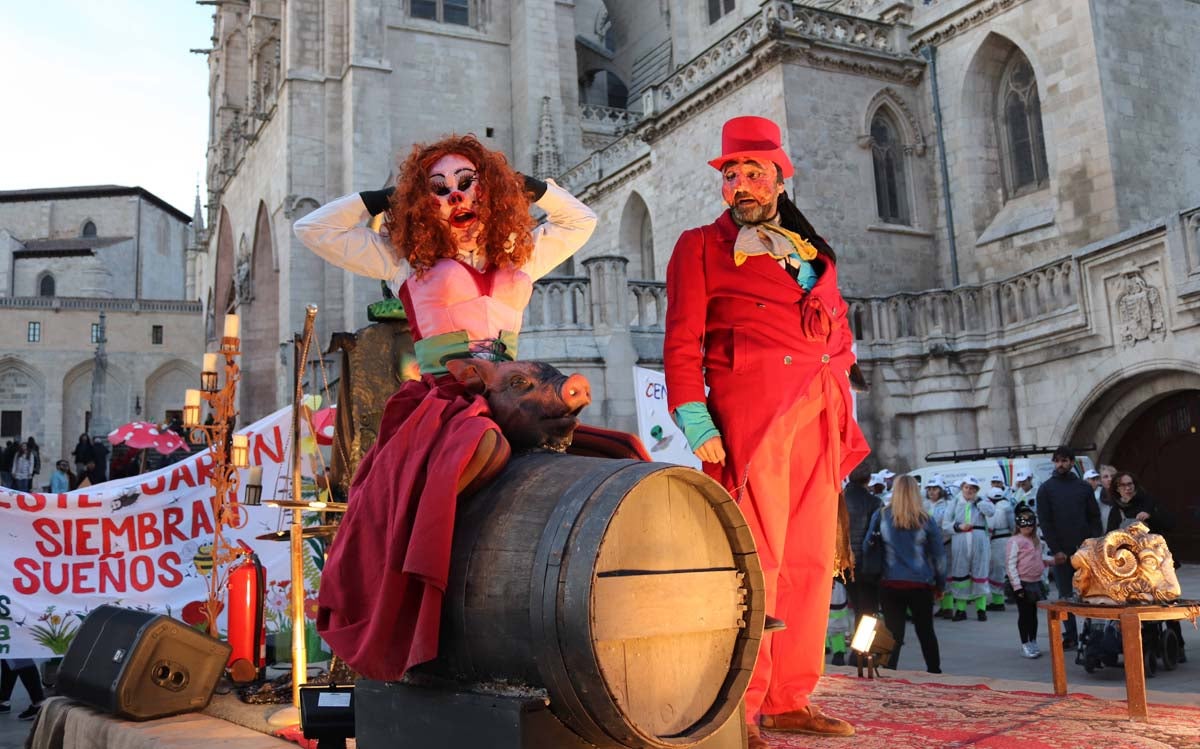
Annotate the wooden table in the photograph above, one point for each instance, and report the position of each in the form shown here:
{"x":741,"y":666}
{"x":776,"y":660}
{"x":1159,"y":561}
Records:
{"x":1131,"y":617}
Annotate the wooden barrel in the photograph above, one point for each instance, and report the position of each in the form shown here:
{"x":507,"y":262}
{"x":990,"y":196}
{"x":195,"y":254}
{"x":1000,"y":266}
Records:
{"x":630,"y":591}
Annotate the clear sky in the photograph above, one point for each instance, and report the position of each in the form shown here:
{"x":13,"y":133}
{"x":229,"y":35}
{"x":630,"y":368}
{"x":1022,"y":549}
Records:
{"x":104,"y":92}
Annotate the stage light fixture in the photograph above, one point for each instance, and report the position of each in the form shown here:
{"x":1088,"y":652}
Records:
{"x":873,"y":643}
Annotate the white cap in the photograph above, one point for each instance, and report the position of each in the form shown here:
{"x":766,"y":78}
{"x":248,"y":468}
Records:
{"x":1092,"y":473}
{"x":935,"y":480}
{"x":875,"y":479}
{"x":998,"y":477}
{"x":970,"y":480}
{"x":995,"y":492}
{"x":886,"y":474}
{"x":1021,"y":476}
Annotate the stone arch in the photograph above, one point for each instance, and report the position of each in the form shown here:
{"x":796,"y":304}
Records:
{"x":87,"y":228}
{"x":981,"y":138}
{"x":1105,"y":412}
{"x":637,"y":238}
{"x":237,"y":64}
{"x":1144,"y":418}
{"x":164,"y":388}
{"x":23,"y":388}
{"x":222,"y":287}
{"x":46,"y":284}
{"x":77,"y":396}
{"x":889,"y":99}
{"x":260,"y":325}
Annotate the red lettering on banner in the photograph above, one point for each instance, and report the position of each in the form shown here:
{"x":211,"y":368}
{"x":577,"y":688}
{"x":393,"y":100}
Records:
{"x":149,"y":536}
{"x":171,"y":576}
{"x":204,"y":468}
{"x":113,"y":531}
{"x":84,"y":534}
{"x":89,"y":504}
{"x":80,"y":571}
{"x":262,"y":448}
{"x":31,"y":502}
{"x":172,"y":517}
{"x":48,"y":577}
{"x":29,"y":571}
{"x":160,"y":483}
{"x":201,"y":523}
{"x":112,"y":576}
{"x":145,"y":580}
{"x":4,"y":503}
{"x":48,"y":530}
{"x":181,"y":474}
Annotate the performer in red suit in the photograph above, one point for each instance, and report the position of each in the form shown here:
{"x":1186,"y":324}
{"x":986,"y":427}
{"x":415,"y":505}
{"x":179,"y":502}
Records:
{"x":755,"y":313}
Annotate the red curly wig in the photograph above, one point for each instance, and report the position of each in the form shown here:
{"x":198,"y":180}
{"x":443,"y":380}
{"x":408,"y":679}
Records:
{"x":502,"y":205}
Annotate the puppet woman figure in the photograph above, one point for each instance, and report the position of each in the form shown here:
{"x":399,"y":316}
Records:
{"x":461,"y":252}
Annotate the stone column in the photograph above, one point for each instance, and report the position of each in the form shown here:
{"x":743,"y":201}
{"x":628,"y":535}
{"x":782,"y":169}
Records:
{"x":100,"y":426}
{"x":535,"y":74}
{"x":610,"y":323}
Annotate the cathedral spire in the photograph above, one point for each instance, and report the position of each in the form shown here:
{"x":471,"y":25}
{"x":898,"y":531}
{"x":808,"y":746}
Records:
{"x":546,"y":162}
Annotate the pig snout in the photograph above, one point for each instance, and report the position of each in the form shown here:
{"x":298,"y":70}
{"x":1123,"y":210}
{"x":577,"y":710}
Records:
{"x":576,"y":392}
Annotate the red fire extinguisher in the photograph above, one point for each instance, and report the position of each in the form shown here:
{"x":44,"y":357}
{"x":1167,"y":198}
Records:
{"x":247,"y":619}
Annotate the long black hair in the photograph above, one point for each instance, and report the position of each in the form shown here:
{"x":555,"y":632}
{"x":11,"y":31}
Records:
{"x":792,"y":219}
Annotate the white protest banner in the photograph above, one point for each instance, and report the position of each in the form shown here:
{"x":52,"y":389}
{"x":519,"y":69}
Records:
{"x":655,"y":425}
{"x":142,"y":542}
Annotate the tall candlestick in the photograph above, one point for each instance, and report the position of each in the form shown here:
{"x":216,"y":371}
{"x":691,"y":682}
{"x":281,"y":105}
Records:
{"x":232,"y":325}
{"x":210,"y":363}
{"x":191,"y":397}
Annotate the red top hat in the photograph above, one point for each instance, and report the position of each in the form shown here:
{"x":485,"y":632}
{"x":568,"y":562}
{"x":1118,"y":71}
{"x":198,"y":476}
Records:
{"x":752,"y":138}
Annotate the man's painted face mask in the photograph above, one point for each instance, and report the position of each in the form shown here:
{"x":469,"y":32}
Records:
{"x":454,"y":181}
{"x":751,"y":190}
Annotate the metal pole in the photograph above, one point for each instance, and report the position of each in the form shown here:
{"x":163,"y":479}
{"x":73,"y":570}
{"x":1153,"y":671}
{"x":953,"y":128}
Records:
{"x":929,"y":52}
{"x":299,"y":651}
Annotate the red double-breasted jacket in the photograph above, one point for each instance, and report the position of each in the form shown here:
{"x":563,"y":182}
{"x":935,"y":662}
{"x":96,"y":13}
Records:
{"x":738,"y":329}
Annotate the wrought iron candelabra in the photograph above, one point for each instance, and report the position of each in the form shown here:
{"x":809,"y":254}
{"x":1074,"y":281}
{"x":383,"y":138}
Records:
{"x":229,"y":452}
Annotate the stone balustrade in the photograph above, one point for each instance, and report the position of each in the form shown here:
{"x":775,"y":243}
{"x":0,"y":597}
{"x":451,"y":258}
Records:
{"x":648,"y":302}
{"x":108,"y":305}
{"x":620,"y":154}
{"x":595,"y":116}
{"x":559,"y":303}
{"x":1000,"y":308}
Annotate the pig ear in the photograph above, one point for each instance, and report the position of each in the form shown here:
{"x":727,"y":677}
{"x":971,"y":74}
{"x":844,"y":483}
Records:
{"x":472,"y":373}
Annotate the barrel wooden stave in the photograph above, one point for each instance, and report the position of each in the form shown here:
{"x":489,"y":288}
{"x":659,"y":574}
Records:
{"x":527,"y":552}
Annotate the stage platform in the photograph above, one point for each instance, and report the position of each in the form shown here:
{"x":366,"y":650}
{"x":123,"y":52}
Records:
{"x":903,"y":710}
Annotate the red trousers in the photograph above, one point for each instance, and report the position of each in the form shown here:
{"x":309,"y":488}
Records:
{"x":790,"y":504}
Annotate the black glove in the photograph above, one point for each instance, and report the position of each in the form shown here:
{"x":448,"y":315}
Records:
{"x":535,"y":187}
{"x":1019,"y":594}
{"x":376,"y":201}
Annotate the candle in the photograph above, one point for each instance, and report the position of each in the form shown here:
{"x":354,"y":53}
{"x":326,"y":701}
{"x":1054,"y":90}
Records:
{"x":239,"y":456}
{"x":231,"y":326}
{"x":210,"y":363}
{"x":191,"y":397}
{"x":255,"y":476}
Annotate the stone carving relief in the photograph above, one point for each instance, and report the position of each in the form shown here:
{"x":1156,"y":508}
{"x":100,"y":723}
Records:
{"x":243,"y":293}
{"x":1139,"y":310}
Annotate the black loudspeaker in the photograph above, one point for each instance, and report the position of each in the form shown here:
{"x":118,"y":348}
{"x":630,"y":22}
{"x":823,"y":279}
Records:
{"x":140,"y":665}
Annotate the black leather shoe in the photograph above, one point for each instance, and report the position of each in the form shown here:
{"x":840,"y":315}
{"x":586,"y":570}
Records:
{"x":981,"y":616}
{"x":839,"y":659}
{"x":960,"y":616}
{"x":771,"y":624}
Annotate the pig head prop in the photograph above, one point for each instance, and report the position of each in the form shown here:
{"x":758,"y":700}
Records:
{"x":534,"y":404}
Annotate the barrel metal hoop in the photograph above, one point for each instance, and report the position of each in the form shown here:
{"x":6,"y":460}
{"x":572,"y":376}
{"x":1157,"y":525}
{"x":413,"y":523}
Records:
{"x":543,"y":603}
{"x":578,"y":647}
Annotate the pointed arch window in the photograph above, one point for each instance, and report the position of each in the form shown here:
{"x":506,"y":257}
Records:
{"x":89,"y":229}
{"x":887,"y":156}
{"x":46,"y":285}
{"x":1019,"y":119}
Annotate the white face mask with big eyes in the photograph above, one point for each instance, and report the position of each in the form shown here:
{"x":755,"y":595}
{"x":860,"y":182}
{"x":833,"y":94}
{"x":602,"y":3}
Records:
{"x":454,"y":182}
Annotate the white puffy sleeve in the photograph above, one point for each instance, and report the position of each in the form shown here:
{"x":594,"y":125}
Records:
{"x":568,"y":225}
{"x":336,"y":231}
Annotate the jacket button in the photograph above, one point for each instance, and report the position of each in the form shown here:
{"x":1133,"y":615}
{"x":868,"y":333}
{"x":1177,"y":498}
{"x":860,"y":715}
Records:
{"x":787,"y":360}
{"x":825,"y":358}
